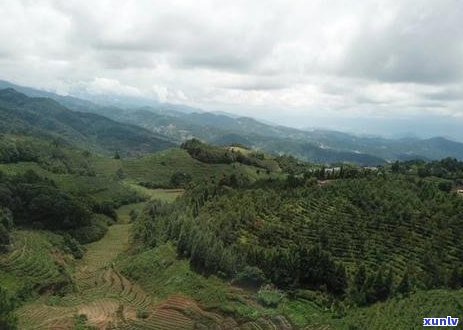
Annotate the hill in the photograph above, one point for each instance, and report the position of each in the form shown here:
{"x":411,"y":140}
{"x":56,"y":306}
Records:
{"x":44,"y":117}
{"x":180,"y":123}
{"x":367,"y":242}
{"x":61,"y":281}
{"x":223,"y":237}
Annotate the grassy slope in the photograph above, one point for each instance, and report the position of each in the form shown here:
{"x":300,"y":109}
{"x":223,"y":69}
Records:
{"x":34,"y":263}
{"x":408,"y":313}
{"x":162,"y":274}
{"x":159,"y":167}
{"x":116,"y":179}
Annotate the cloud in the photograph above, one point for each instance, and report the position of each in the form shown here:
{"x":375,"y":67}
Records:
{"x":293,"y":59}
{"x":103,"y":86}
{"x":422,"y":42}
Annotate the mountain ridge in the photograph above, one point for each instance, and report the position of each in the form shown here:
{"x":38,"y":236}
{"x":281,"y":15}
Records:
{"x":47,"y":117}
{"x":319,"y":145}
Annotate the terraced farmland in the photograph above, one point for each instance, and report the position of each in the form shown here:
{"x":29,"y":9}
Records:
{"x":102,"y":294}
{"x":34,"y":263}
{"x":107,"y":298}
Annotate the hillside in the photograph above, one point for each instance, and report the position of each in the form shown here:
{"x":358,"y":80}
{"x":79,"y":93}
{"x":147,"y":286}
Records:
{"x":46,"y":118}
{"x":223,"y":237}
{"x":55,"y":275}
{"x":206,"y":236}
{"x":180,"y":123}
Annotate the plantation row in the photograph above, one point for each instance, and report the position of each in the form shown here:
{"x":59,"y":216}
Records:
{"x":403,"y":231}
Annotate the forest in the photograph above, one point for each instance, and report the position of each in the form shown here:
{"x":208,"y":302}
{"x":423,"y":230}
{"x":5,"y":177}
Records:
{"x":363,"y":237}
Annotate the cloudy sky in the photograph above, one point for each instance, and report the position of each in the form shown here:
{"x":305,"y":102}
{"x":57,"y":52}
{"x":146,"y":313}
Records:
{"x":365,"y":66}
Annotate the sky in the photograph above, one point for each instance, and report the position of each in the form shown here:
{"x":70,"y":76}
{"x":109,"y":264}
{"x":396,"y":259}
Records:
{"x":371,"y":67}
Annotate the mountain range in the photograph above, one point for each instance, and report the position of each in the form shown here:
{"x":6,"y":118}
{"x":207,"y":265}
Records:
{"x":46,"y":118}
{"x":161,"y":125}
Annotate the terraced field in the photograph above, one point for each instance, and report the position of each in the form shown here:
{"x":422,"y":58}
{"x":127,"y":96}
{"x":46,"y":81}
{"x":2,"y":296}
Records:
{"x":33,"y":263}
{"x":101,"y":293}
{"x":107,"y":298}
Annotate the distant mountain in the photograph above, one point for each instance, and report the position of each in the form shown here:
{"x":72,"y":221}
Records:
{"x":317,"y":145}
{"x":93,"y":102}
{"x":224,"y":130}
{"x":20,"y":114}
{"x":180,"y":123}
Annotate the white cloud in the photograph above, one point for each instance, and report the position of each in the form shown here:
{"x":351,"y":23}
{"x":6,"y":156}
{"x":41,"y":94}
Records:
{"x":339,"y":58}
{"x":102,"y":86}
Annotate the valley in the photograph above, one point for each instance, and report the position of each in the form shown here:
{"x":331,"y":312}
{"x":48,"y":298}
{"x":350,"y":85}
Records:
{"x":231,"y":165}
{"x":184,"y":234}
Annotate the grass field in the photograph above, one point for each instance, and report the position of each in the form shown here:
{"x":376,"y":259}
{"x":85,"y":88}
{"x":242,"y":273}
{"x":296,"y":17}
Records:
{"x":408,"y":313}
{"x":165,"y":195}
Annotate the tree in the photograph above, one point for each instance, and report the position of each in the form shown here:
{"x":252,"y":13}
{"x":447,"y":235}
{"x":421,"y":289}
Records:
{"x":455,"y":280}
{"x":116,"y":155}
{"x":7,"y":319}
{"x":405,"y":285}
{"x":4,"y":238}
{"x":6,"y":224}
{"x":380,"y":287}
{"x":395,"y":168}
{"x":250,"y":276}
{"x":357,"y":291}
{"x":180,"y":179}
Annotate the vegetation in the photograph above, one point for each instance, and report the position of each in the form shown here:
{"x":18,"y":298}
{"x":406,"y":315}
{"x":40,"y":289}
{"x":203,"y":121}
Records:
{"x":47,"y":119}
{"x":203,"y":237}
{"x":209,"y":154}
{"x":363,"y":239}
{"x":7,"y":317}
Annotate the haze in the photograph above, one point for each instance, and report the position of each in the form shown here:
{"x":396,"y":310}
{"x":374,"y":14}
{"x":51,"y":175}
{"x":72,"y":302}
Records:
{"x":372,"y":67}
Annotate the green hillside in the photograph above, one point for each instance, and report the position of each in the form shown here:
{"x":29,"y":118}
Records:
{"x":45,"y":118}
{"x":208,"y":237}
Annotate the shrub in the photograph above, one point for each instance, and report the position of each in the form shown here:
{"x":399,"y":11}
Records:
{"x":269,"y":296}
{"x":7,"y":318}
{"x":73,"y":246}
{"x":250,"y":276}
{"x":91,"y":233}
{"x":142,"y":313}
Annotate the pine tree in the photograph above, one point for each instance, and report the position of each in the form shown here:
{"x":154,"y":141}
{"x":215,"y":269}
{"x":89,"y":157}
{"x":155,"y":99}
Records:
{"x":405,"y":285}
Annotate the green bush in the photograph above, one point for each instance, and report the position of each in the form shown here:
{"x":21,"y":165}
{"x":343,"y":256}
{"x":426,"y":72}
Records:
{"x":73,"y":246}
{"x":269,"y":296}
{"x":91,"y":233}
{"x":250,"y":276}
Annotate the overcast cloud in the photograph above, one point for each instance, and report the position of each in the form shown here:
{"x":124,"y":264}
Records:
{"x":294,"y":62}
